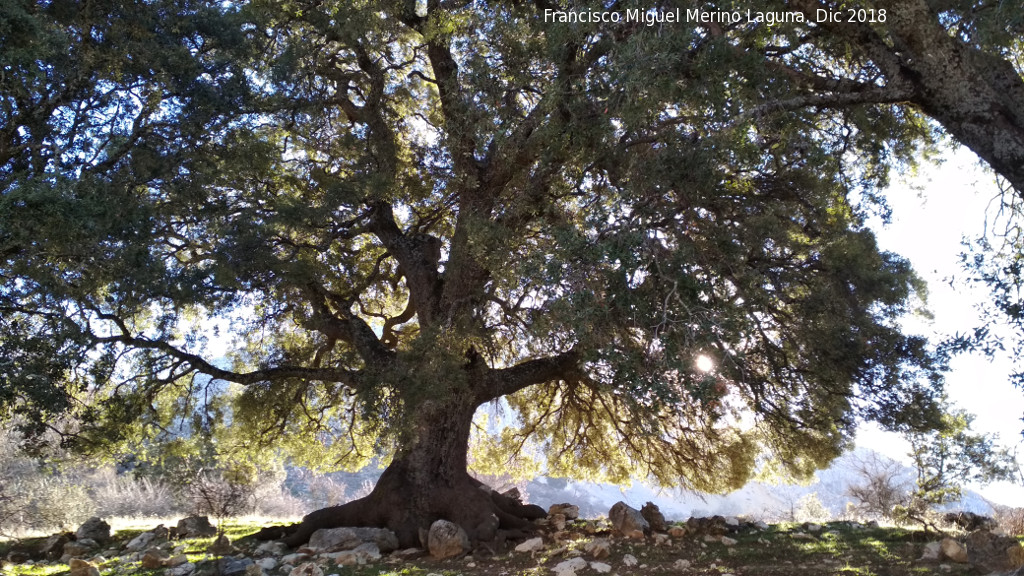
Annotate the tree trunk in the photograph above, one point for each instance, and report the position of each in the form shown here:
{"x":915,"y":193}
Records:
{"x":426,"y":481}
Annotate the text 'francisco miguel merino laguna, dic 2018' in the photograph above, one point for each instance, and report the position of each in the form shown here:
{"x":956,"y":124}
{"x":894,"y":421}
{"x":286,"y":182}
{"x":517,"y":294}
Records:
{"x":652,"y":17}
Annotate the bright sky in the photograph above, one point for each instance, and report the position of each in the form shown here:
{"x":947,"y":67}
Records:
{"x":932,"y":213}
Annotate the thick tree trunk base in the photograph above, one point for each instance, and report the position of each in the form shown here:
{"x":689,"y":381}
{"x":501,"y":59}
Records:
{"x":404,"y":508}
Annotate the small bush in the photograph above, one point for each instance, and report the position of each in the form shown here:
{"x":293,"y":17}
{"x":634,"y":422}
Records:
{"x":126,"y":496}
{"x":810,"y":509}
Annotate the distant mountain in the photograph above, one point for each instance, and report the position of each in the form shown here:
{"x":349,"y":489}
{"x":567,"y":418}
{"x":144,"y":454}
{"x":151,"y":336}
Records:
{"x":756,"y":499}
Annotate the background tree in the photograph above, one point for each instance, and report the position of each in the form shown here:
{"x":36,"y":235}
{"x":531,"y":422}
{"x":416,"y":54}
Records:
{"x":395,"y":218}
{"x":947,"y":458}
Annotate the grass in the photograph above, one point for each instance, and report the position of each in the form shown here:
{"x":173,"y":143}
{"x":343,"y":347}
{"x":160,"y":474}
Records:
{"x":838,"y":549}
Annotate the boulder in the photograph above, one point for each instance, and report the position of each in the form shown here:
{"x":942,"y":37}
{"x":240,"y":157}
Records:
{"x":627,"y":520}
{"x":557,"y":521}
{"x":337,"y":539}
{"x":932,"y":552}
{"x":570,"y":511}
{"x":195,"y":527}
{"x":80,"y":567}
{"x":446,"y":540}
{"x":953,"y":550}
{"x":654,"y":517}
{"x":994,"y":551}
{"x":94,"y":529}
{"x":53,"y":547}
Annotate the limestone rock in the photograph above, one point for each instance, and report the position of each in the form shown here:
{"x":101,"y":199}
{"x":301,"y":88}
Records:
{"x":627,"y":520}
{"x":654,"y":517}
{"x":570,"y":511}
{"x":94,"y":529}
{"x":932,"y":552}
{"x":446,"y":539}
{"x":970,"y":521}
{"x":531,"y":545}
{"x":183,"y":570}
{"x":363,"y":554}
{"x":267,"y":563}
{"x":600,"y":567}
{"x":953,"y":550}
{"x":677,"y":531}
{"x":177,"y":560}
{"x":629,"y":561}
{"x":195,"y":527}
{"x":598,"y":548}
{"x":994,"y":551}
{"x":80,"y":567}
{"x":337,"y":539}
{"x":681,"y":564}
{"x":140,"y":541}
{"x":569,"y":567}
{"x":726,"y":541}
{"x":306,"y":569}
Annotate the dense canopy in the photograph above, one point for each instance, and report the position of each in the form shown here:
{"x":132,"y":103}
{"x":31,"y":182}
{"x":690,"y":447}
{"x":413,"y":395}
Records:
{"x":339,"y":229}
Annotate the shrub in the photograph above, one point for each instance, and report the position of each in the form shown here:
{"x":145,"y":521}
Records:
{"x":809,"y":508}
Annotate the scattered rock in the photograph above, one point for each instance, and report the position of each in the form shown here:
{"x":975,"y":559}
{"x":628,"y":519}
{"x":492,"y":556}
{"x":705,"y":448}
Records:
{"x":295,"y":559}
{"x":726,"y":541}
{"x":953,"y":550}
{"x":306,"y":569}
{"x":80,"y":567}
{"x":446,"y":540}
{"x":660,"y":539}
{"x":812,"y":527}
{"x":629,"y":561}
{"x":570,"y":511}
{"x":94,"y":529}
{"x":993,"y":551}
{"x":195,"y":527}
{"x":363,"y":554}
{"x":761,"y":525}
{"x":598,"y":548}
{"x":336,"y":539}
{"x":569,"y":567}
{"x":681,"y":564}
{"x":153,"y":558}
{"x":627,"y":520}
{"x":600,"y":567}
{"x":531,"y":545}
{"x":235,"y":566}
{"x":677,"y":531}
{"x":267,"y":563}
{"x":655,"y":519}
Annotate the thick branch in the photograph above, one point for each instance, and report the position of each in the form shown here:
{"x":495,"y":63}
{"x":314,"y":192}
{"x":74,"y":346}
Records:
{"x":498,"y":383}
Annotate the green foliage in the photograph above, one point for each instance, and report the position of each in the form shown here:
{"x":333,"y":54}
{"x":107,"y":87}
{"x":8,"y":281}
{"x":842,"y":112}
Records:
{"x":383,"y":217}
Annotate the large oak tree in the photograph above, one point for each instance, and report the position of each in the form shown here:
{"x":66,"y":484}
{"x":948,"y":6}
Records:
{"x":394,"y":215}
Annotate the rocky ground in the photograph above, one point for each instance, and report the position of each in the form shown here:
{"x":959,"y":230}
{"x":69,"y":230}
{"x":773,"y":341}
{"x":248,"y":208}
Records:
{"x":628,"y":542}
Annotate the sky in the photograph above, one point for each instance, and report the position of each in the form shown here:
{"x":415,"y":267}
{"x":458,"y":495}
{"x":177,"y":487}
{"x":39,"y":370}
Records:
{"x":932,"y":213}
